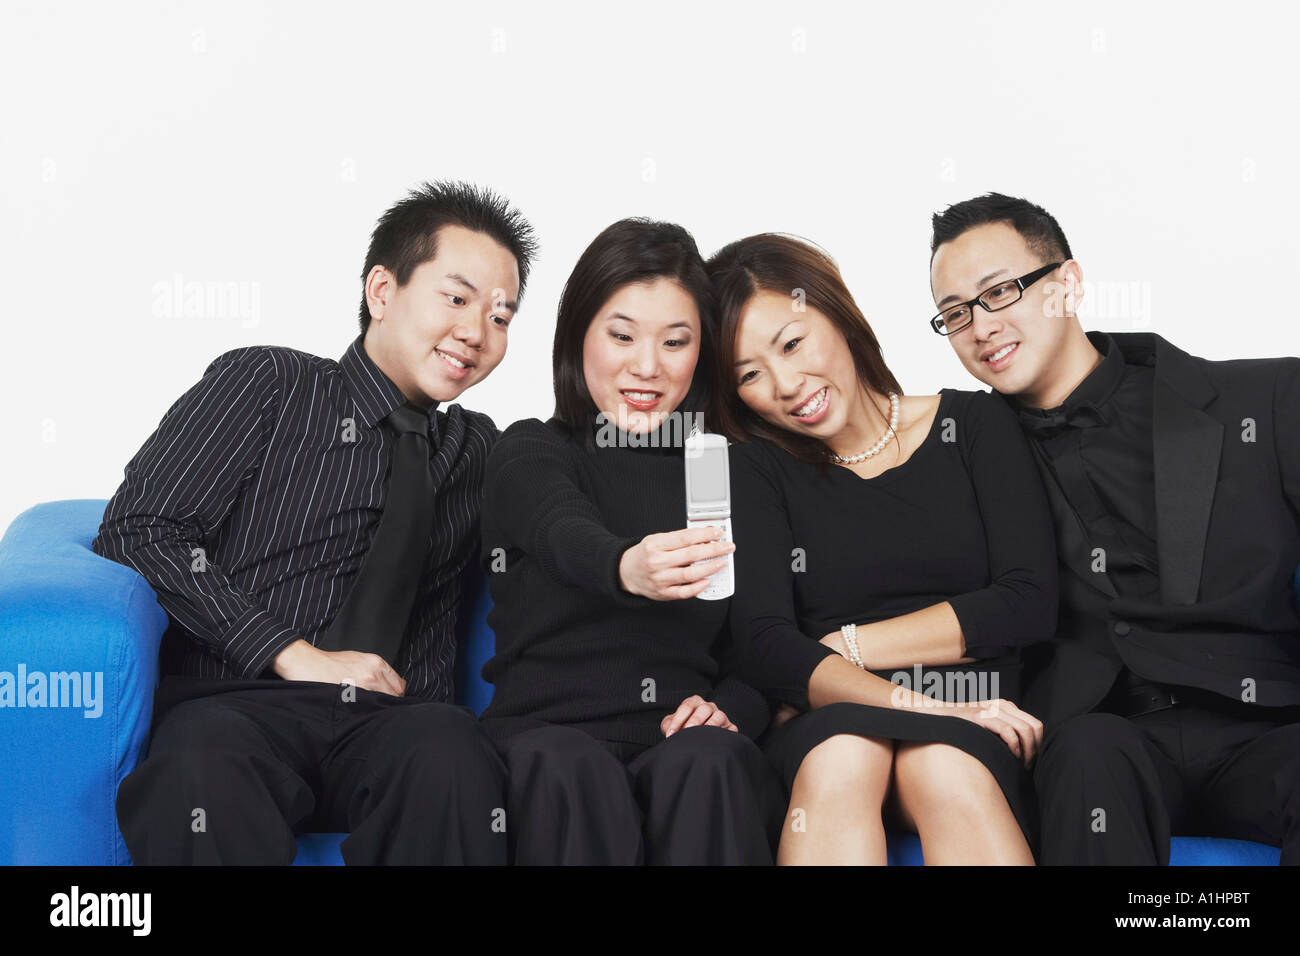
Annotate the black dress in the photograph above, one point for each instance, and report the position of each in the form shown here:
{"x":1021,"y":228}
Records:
{"x":963,"y":520}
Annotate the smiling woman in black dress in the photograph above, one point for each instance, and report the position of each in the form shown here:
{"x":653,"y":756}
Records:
{"x":893,"y":554}
{"x":625,"y":740}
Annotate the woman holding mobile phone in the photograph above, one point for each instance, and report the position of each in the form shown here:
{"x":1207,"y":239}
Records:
{"x":894,"y":552}
{"x":624,"y":739}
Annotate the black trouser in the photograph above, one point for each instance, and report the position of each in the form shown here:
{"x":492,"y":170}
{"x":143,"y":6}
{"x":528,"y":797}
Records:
{"x":703,"y":796}
{"x":234,"y":774}
{"x":1112,"y":789}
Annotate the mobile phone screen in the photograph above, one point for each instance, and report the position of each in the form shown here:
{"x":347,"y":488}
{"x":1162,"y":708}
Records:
{"x":707,"y":476}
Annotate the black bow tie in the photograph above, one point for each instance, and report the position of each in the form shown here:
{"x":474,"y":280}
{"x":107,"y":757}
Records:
{"x":1080,"y":415}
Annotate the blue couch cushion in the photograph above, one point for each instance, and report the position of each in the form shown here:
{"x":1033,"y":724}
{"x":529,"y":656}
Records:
{"x":320,"y":849}
{"x":476,"y":642}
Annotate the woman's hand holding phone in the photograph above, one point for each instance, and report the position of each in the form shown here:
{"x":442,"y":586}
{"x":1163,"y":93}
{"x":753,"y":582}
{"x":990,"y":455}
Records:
{"x":661,"y":566}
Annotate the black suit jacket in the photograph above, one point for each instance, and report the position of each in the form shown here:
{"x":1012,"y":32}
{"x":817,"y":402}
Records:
{"x":1226,"y":452}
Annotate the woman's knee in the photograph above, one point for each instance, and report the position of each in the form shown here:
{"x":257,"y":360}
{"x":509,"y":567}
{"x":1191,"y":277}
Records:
{"x":846,"y":764}
{"x":707,"y":744}
{"x":940,"y":776}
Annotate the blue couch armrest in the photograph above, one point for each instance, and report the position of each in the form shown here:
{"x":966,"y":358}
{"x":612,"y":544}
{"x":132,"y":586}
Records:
{"x":94,"y":625}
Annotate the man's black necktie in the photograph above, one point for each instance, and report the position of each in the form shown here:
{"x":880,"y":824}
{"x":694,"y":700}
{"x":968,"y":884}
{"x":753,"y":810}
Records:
{"x":375,"y":614}
{"x":1045,"y":425}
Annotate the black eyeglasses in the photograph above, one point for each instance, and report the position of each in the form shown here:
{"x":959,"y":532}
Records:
{"x":957,"y":317}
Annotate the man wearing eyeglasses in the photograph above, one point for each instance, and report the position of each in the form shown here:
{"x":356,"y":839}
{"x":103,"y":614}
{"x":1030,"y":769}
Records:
{"x":1170,"y":693}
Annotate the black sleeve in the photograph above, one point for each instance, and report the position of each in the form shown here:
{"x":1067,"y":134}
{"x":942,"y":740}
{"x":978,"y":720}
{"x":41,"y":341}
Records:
{"x":532,"y":488}
{"x":1286,"y":428}
{"x":773,"y":654}
{"x":488,"y":427}
{"x":1019,"y":604}
{"x":180,"y":488}
{"x":744,"y":706}
{"x":481,"y":436}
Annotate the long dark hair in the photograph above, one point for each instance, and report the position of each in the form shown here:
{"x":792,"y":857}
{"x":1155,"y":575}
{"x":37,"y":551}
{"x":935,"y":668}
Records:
{"x":770,"y":262}
{"x":629,"y":251}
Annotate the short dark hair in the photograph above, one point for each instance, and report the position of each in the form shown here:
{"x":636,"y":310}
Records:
{"x":772,"y":262}
{"x":1040,"y":230}
{"x":406,"y":236}
{"x":629,"y":251}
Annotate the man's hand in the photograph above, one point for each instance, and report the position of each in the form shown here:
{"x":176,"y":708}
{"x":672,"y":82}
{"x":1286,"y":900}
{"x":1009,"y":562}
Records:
{"x":301,"y":661}
{"x":695,"y":711}
{"x":659,"y":566}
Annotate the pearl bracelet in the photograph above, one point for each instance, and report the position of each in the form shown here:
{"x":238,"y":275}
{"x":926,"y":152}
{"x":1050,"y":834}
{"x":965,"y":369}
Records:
{"x":850,"y":632}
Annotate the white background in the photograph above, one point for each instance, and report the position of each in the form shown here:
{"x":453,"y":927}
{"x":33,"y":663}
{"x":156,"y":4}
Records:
{"x":256,"y":144}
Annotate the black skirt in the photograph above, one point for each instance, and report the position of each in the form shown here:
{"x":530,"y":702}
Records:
{"x":787,"y":745}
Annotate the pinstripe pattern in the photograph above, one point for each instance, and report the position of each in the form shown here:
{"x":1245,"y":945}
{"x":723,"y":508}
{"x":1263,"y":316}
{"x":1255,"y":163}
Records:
{"x":257,"y":466}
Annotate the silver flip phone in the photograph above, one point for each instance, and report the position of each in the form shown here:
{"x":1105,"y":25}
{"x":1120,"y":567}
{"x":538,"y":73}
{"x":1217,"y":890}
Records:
{"x":708,"y":502}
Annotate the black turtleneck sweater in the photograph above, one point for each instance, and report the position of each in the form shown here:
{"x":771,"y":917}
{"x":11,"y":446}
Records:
{"x":573,"y":647}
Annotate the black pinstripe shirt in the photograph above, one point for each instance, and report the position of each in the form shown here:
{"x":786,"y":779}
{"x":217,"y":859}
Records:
{"x":251,"y":507}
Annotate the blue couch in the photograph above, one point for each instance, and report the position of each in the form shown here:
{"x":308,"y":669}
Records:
{"x":64,"y":609}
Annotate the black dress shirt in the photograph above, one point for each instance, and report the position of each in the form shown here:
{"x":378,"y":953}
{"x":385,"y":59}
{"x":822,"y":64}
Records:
{"x":1098,"y":445}
{"x":251,"y":507}
{"x":1098,"y":442}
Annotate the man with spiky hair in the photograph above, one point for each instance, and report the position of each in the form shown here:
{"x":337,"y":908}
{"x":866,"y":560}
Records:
{"x":304,"y":523}
{"x":1170,"y":693}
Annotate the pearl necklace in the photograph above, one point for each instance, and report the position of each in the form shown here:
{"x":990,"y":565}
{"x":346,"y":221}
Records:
{"x":878,"y":446}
